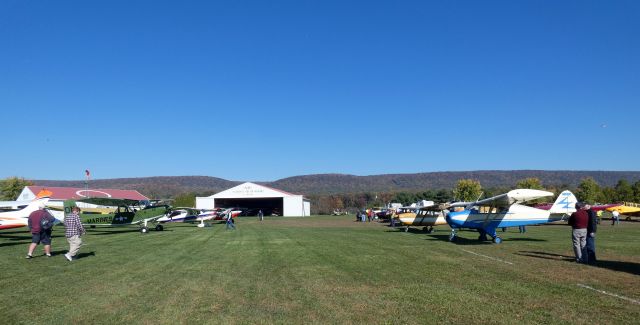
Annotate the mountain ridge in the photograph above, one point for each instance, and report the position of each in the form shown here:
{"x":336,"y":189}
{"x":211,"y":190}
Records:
{"x":168,"y":186}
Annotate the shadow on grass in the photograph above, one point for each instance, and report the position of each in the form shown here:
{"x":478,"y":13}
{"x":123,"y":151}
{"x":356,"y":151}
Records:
{"x":83,"y":255}
{"x":114,"y":231}
{"x":459,"y":240}
{"x":620,"y":266}
{"x":547,"y":256}
{"x":24,"y":239}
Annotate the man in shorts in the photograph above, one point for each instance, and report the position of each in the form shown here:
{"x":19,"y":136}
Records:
{"x":38,"y":234}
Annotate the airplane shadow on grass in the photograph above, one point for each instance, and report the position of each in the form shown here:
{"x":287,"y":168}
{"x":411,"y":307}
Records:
{"x":474,"y":241}
{"x":620,"y":266}
{"x":94,"y":232}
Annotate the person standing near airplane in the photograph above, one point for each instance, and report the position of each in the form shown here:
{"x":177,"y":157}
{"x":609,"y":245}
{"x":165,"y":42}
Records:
{"x":74,"y":230}
{"x":38,"y":233}
{"x":578,"y":222}
{"x":592,"y":227}
{"x":260,"y":215}
{"x":615,"y":217}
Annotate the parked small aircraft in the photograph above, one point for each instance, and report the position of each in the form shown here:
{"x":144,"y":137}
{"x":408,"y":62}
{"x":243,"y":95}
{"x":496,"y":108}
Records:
{"x":627,"y":209}
{"x":181,"y":215}
{"x":505,"y":210}
{"x":125,"y":214}
{"x":19,"y":218}
{"x":426,"y":217}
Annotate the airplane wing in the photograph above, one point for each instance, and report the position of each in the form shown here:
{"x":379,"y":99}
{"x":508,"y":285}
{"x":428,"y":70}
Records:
{"x":109,"y":201}
{"x":13,"y":204}
{"x":513,"y":196}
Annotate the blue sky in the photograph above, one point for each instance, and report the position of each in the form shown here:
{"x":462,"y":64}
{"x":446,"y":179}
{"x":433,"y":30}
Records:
{"x":261,"y":90}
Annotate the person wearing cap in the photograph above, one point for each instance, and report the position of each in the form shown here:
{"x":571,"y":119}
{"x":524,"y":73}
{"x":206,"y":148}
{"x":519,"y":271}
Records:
{"x":578,"y":222}
{"x":39,"y":234}
{"x":74,"y":231}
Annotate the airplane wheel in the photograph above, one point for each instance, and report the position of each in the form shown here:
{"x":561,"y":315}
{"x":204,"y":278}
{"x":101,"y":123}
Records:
{"x":452,"y":237}
{"x":628,"y":218}
{"x":144,"y":230}
{"x":428,"y":229}
{"x":482,"y":237}
{"x":497,"y":240}
{"x":159,"y":228}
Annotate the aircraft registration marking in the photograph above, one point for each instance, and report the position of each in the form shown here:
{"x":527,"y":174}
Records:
{"x":489,"y":257}
{"x":608,"y":293}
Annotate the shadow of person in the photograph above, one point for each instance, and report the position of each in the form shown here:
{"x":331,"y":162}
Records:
{"x":83,"y":255}
{"x":620,"y":266}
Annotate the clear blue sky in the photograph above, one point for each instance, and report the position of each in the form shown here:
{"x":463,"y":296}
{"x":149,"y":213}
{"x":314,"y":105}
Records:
{"x":261,"y":90}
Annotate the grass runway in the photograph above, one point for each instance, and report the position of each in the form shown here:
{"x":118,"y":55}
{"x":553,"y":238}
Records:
{"x":320,"y":270}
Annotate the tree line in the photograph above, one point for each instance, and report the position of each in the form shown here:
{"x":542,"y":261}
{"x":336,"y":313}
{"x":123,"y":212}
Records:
{"x":465,"y":190}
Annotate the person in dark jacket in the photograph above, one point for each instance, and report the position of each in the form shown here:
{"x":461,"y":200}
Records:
{"x":578,"y":222}
{"x":592,"y":227}
{"x":38,"y":234}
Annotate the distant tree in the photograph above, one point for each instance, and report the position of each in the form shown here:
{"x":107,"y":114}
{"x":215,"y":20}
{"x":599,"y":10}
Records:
{"x":185,"y":200}
{"x":467,"y":190}
{"x":589,"y":191}
{"x":636,"y":192}
{"x":624,"y":191}
{"x":608,"y":195}
{"x":443,"y":196}
{"x":11,"y":187}
{"x":337,"y":202}
{"x":531,"y":182}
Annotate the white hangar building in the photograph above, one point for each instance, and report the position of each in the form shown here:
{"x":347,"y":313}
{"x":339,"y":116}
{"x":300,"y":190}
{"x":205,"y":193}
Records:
{"x":254,"y":197}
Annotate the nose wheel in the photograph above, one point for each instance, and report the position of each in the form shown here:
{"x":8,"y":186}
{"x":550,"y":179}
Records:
{"x":497,"y":240}
{"x":452,"y":236}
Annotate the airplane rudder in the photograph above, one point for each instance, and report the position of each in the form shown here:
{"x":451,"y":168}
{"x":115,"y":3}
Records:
{"x":565,"y":203}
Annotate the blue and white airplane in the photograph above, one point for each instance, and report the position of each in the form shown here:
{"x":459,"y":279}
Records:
{"x":506,"y":210}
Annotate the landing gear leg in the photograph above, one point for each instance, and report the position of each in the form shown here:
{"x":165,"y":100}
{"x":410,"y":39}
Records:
{"x":452,"y":236}
{"x":406,"y":228}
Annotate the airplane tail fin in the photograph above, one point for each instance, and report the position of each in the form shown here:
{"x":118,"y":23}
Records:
{"x":68,"y":204}
{"x":565,"y":203}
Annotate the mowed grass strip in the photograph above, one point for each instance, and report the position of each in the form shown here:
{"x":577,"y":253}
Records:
{"x":319,"y":270}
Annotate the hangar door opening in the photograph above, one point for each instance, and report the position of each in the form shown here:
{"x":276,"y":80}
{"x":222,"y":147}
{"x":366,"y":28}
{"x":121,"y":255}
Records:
{"x":250,"y":207}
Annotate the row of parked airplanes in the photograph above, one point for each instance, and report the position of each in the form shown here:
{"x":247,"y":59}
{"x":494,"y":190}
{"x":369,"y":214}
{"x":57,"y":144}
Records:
{"x":111,"y":212}
{"x":501,"y":211}
{"x":485,"y":216}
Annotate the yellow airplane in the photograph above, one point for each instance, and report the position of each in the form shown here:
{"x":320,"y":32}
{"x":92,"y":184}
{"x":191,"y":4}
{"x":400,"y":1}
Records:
{"x":629,"y":209}
{"x":426,"y":217}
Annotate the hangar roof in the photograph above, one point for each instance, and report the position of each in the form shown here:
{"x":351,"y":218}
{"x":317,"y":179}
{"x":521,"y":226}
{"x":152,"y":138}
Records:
{"x":251,"y":190}
{"x":65,"y":193}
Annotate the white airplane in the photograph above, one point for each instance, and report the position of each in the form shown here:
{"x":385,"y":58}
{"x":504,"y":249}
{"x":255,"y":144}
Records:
{"x":505,"y":210}
{"x":19,"y":218}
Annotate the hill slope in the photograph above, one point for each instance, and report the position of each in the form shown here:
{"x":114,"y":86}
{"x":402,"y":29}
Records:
{"x":168,"y":186}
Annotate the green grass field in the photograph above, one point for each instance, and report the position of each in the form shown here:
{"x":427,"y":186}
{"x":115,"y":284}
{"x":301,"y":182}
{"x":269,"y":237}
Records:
{"x":320,"y":270}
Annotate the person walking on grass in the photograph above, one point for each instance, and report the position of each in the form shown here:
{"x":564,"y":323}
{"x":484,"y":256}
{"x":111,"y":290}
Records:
{"x":74,"y":231}
{"x":230,"y":223}
{"x":40,"y":223}
{"x":578,"y":222}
